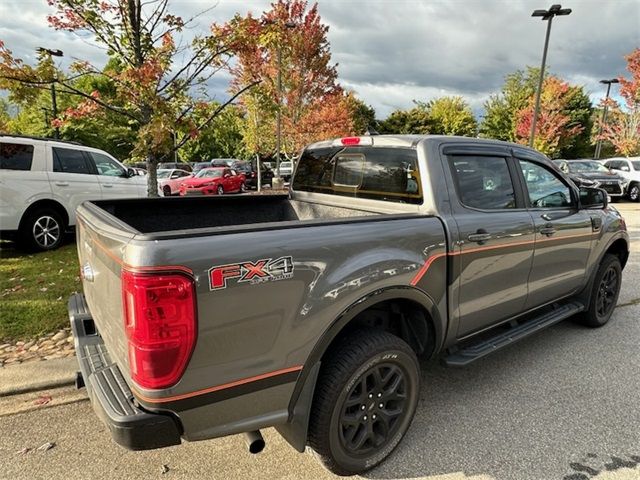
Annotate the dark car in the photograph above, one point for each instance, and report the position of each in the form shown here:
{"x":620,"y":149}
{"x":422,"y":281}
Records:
{"x":175,"y":165}
{"x":591,"y":173}
{"x":197,"y":166}
{"x":252,"y":175}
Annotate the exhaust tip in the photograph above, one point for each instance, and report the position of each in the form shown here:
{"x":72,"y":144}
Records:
{"x":255,"y":442}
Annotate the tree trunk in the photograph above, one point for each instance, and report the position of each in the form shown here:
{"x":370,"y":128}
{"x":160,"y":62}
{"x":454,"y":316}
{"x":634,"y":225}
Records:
{"x":152,"y":175}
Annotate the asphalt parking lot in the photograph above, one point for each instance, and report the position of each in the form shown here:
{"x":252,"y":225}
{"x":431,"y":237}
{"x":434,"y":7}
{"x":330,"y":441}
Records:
{"x":564,"y":404}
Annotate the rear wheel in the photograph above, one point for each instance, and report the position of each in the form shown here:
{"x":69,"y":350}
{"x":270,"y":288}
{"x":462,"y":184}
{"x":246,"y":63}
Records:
{"x":604,"y":293}
{"x":220,"y":190}
{"x":634,"y":192}
{"x":42,"y":230}
{"x":365,"y":399}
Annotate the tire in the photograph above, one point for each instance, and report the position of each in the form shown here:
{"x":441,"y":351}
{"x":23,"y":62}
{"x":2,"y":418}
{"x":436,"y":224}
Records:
{"x":42,"y":230}
{"x":166,"y":191}
{"x":604,"y":293}
{"x":634,"y":192}
{"x":220,"y":190}
{"x":367,"y":375}
{"x":243,"y":188}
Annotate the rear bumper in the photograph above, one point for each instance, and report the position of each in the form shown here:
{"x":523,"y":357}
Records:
{"x":111,"y":398}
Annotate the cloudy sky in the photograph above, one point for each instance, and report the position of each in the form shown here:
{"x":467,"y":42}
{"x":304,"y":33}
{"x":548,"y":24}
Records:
{"x":391,"y":52}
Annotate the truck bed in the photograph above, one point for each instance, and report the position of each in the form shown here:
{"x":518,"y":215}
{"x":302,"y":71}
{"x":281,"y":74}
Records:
{"x":148,"y":216}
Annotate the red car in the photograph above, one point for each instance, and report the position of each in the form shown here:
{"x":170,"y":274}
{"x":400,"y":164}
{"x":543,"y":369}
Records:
{"x":213,"y":181}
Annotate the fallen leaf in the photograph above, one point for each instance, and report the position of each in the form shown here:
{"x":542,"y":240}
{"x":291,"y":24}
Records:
{"x":60,"y":271}
{"x":46,"y":446}
{"x":24,"y":451}
{"x":42,"y":400}
{"x":44,"y":289}
{"x":12,"y":279}
{"x":164,"y":469}
{"x":59,"y":298}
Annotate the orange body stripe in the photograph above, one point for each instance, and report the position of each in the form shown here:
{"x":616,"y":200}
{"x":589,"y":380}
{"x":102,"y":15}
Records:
{"x":218,"y":387}
{"x":421,"y":273}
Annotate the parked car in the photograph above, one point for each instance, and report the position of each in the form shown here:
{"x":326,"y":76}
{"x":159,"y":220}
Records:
{"x":213,"y":181}
{"x":223,"y":162}
{"x":591,"y":173}
{"x":175,"y":165}
{"x":169,"y":180}
{"x":197,"y":166}
{"x":309,"y":312}
{"x":629,"y":169}
{"x":286,"y":170}
{"x":43,"y":181}
{"x":139,"y":171}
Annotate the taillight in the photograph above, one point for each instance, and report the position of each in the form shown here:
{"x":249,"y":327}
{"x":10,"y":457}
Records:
{"x":160,"y":324}
{"x":350,"y":141}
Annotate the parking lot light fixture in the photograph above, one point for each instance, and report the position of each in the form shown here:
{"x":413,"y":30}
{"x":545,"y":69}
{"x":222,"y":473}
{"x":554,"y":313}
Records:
{"x":548,"y":16}
{"x":608,"y":83}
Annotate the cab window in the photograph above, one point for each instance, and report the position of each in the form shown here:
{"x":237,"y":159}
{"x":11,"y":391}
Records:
{"x":545,"y":189}
{"x":483,"y":182}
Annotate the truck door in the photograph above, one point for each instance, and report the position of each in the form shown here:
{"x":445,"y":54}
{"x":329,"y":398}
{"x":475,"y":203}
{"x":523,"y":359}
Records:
{"x":491,"y":266}
{"x":563,"y":234}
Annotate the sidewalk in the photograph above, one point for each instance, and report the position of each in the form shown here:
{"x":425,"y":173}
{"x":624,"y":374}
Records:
{"x":37,"y":375}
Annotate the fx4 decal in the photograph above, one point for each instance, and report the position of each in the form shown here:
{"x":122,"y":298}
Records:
{"x":265,"y":270}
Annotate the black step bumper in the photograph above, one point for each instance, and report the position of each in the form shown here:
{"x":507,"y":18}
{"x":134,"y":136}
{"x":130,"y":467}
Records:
{"x":110,"y":395}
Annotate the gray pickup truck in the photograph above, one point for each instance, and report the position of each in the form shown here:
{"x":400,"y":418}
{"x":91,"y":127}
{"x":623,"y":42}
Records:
{"x":308,"y":312}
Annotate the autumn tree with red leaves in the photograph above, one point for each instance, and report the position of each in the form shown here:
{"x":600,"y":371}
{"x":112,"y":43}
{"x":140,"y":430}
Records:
{"x":313,"y":105}
{"x":554,"y":129}
{"x":158,"y":81}
{"x":622,"y":128}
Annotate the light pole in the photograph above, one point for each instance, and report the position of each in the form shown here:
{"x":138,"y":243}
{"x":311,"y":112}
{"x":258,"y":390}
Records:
{"x":546,"y":15}
{"x":54,"y":104}
{"x":604,"y":115}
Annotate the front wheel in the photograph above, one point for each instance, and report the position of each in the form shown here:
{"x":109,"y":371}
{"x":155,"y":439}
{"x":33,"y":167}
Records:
{"x":166,"y":191}
{"x":604,"y":293}
{"x":243,"y":188}
{"x":365,"y":399}
{"x":634,"y":192}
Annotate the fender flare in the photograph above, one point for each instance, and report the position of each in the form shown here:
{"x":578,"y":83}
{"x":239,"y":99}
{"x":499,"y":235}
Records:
{"x":295,"y":430}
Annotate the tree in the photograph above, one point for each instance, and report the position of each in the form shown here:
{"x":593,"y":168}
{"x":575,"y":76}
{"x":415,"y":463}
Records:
{"x":290,"y":38}
{"x":502,"y":110}
{"x":555,"y":129}
{"x":158,"y":83}
{"x":414,"y":120}
{"x":623,"y":127}
{"x":451,"y":116}
{"x":363,"y":116}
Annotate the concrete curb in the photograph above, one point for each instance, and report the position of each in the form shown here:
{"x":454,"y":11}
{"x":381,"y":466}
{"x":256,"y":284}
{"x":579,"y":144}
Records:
{"x":37,"y":375}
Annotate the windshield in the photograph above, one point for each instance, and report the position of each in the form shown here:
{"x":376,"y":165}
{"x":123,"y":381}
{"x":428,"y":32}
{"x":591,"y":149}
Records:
{"x":586,"y":167}
{"x":209,"y":173}
{"x":163,"y":174}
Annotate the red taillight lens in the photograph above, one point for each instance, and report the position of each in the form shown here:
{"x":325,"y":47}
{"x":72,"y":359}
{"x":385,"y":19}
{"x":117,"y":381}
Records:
{"x":160,"y":323}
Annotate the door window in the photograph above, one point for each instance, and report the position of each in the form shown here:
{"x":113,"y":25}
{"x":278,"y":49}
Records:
{"x":15,"y":156}
{"x":484,"y":182}
{"x":107,"y":165}
{"x":545,"y":189}
{"x":68,"y":160}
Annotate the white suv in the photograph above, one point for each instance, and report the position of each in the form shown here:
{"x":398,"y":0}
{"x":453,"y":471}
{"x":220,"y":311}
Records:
{"x":43,"y":181}
{"x":629,"y":169}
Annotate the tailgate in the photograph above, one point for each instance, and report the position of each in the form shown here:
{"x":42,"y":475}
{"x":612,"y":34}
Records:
{"x":101,"y":242}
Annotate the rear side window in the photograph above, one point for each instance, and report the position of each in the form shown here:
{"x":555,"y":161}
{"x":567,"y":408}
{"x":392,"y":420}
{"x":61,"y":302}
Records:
{"x":484,"y":182}
{"x":389,"y":174}
{"x":15,"y":156}
{"x":68,"y":160}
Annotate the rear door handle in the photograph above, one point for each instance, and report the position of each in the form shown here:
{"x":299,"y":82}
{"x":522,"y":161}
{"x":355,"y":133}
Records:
{"x":481,"y":236}
{"x":62,"y":184}
{"x":548,"y":230}
{"x":108,"y":185}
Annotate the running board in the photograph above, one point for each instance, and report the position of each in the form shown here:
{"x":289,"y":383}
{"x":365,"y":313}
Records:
{"x":474,"y":351}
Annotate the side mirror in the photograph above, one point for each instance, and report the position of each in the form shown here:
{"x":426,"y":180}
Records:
{"x":593,"y":198}
{"x":130,"y":173}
